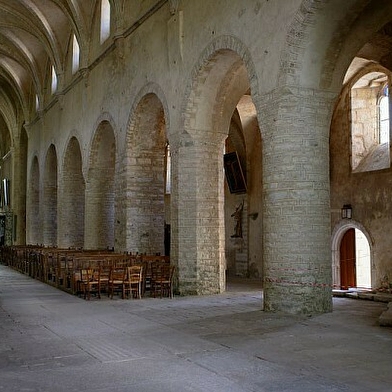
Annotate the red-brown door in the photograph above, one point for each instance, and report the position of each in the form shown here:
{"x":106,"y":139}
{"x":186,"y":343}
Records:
{"x":347,"y":260}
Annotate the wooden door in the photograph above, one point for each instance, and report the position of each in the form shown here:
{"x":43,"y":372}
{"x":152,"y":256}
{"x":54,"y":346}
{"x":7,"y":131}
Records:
{"x":347,"y":260}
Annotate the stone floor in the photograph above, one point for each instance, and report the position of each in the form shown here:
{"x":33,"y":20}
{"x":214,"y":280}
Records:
{"x":53,"y":341}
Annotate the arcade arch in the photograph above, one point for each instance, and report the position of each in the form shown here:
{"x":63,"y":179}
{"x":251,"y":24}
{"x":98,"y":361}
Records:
{"x":72,"y":199}
{"x":144,"y":191}
{"x":49,"y":201}
{"x":100,"y":190}
{"x":219,"y":82}
{"x":33,"y":208}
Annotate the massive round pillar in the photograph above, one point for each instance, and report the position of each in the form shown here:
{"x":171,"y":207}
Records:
{"x":297,"y":252}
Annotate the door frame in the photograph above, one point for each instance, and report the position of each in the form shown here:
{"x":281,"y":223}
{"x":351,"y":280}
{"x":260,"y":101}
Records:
{"x":348,"y":264}
{"x":337,"y":234}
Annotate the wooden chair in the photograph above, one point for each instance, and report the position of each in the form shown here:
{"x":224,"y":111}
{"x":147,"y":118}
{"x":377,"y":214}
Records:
{"x":104,"y":276}
{"x":133,"y":283}
{"x":116,"y":281}
{"x":89,"y":282}
{"x":162,"y":280}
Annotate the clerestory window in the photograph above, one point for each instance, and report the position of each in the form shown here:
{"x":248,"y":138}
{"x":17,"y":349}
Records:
{"x":105,"y":20}
{"x":168,"y":169}
{"x":75,"y":55}
{"x":54,"y":80}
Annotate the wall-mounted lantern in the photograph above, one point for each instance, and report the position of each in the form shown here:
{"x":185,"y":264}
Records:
{"x":347,"y":211}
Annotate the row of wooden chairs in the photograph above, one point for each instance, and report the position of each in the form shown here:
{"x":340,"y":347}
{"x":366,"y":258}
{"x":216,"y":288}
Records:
{"x":89,"y":272}
{"x":128,"y":281}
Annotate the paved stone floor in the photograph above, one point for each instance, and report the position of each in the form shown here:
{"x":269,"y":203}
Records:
{"x":53,"y":341}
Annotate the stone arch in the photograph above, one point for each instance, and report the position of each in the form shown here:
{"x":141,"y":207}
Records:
{"x":72,"y":198}
{"x":153,"y":89}
{"x":362,"y":71}
{"x":234,"y":60}
{"x":319,"y":48}
{"x":49,"y":200}
{"x":336,"y":238}
{"x":222,"y":75}
{"x":34,"y":216}
{"x":100,"y":190}
{"x":20,"y":195}
{"x":144,"y":173}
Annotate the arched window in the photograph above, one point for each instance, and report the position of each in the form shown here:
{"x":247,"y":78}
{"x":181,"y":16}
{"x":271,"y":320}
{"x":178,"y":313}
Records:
{"x":168,"y":169}
{"x":105,"y":20}
{"x":384,"y":115}
{"x":54,"y":80}
{"x":75,"y":55}
{"x":370,"y":122}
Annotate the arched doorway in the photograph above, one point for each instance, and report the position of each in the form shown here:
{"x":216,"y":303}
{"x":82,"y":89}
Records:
{"x":352,"y":257}
{"x":347,"y":260}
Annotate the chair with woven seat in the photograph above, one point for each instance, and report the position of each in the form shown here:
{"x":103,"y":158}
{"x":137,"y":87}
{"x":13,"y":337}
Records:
{"x":116,"y":281}
{"x":104,"y":276}
{"x":162,"y":280}
{"x":89,"y":282}
{"x":133,"y":283}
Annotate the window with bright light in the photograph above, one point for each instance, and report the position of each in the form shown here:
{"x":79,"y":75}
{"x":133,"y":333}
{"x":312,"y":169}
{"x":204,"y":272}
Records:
{"x":384,"y":116}
{"x":105,"y":20}
{"x":75,"y":54}
{"x":54,"y":80}
{"x":370,"y":122}
{"x":168,"y":170}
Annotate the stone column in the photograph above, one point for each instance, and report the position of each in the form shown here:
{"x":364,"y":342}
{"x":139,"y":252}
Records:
{"x":197,"y":213}
{"x":296,"y":212}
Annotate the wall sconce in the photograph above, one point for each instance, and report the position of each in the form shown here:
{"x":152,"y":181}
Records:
{"x":347,"y":211}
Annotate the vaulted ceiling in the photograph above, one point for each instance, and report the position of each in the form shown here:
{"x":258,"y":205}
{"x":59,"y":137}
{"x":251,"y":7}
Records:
{"x":33,"y":35}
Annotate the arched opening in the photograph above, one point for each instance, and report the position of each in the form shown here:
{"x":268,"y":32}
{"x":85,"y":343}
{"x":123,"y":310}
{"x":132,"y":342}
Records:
{"x":99,"y":233}
{"x":369,"y":120}
{"x":34,"y":217}
{"x":7,"y":184}
{"x":105,"y":21}
{"x":75,"y":54}
{"x":72,"y":199}
{"x":352,"y":257}
{"x":207,"y":212}
{"x":244,"y":139}
{"x":20,"y":196}
{"x":147,"y":206}
{"x":53,"y":73}
{"x":49,"y":204}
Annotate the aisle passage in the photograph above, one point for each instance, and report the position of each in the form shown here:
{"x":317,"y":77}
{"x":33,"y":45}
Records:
{"x":53,"y":341}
